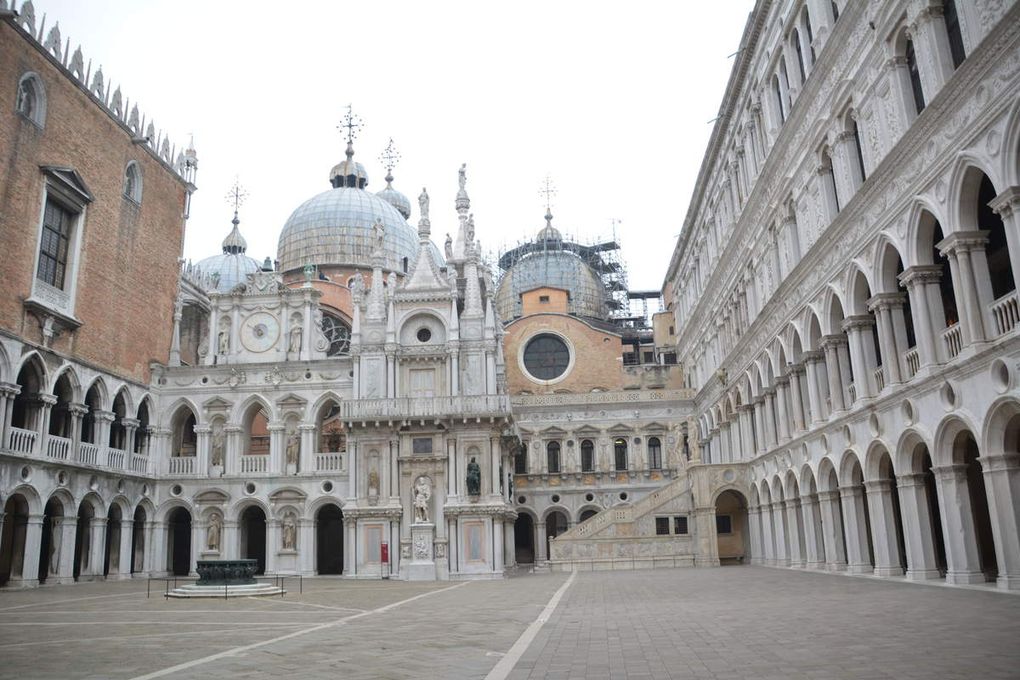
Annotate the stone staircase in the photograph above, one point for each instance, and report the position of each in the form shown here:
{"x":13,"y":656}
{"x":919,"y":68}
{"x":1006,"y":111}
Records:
{"x":623,"y":536}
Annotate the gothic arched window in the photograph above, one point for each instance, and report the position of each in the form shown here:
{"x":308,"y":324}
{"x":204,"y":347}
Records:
{"x":552,"y":450}
{"x":338,"y":335}
{"x":133,"y":182}
{"x":587,"y":456}
{"x":31,"y":99}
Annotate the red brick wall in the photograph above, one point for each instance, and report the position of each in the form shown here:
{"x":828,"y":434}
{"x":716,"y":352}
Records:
{"x":127,"y":273}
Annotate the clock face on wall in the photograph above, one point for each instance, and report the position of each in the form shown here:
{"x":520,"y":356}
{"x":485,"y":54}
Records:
{"x":259,"y":332}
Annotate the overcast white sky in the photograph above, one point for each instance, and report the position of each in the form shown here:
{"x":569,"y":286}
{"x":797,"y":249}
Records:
{"x":611,"y":99}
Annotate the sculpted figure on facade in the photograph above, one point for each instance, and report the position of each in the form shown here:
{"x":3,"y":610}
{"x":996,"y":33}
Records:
{"x":423,"y":204}
{"x":295,"y":340}
{"x":448,"y":248}
{"x":474,"y":478}
{"x":373,"y":482}
{"x":55,"y":531}
{"x":212,"y":534}
{"x":422,"y":494}
{"x":217,"y":445}
{"x":289,"y":533}
{"x":293,"y":447}
{"x":223,"y":341}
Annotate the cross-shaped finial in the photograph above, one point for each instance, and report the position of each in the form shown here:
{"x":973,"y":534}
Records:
{"x":389,"y":157}
{"x":353,"y":124}
{"x":236,"y":195}
{"x":549,"y":191}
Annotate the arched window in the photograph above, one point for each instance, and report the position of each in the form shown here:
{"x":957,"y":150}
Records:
{"x":587,"y":456}
{"x":133,"y":182}
{"x":521,"y":460}
{"x":338,"y":335}
{"x":654,"y":454}
{"x":795,"y":36}
{"x":952,"y":19}
{"x":31,"y":99}
{"x":915,"y":75}
{"x":805,"y":22}
{"x":620,"y":454}
{"x":552,"y":451}
{"x":858,"y":149}
{"x":778,"y":96}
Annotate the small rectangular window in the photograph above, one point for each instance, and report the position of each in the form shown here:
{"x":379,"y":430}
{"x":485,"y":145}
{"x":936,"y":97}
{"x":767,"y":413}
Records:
{"x":543,"y":298}
{"x":723,"y":524}
{"x":53,"y":246}
{"x":662,"y":526}
{"x":422,"y":445}
{"x":648,"y":358}
{"x":680,"y":525}
{"x":521,"y":461}
{"x":669,"y":358}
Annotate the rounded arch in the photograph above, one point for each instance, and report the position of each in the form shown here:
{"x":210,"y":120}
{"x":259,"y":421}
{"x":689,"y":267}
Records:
{"x":740,"y":491}
{"x":123,"y":394}
{"x":807,"y":484}
{"x":96,"y":502}
{"x":879,"y":462}
{"x":827,"y":479}
{"x":851,"y":473}
{"x":133,"y":181}
{"x":320,"y":502}
{"x":792,"y":486}
{"x":122,"y":503}
{"x":1010,"y":152}
{"x":558,"y":507}
{"x":312,"y":414}
{"x":5,"y":365}
{"x":235,"y":510}
{"x":888,"y":264}
{"x":912,"y":445}
{"x":171,"y":412}
{"x":834,"y":312}
{"x":859,"y":289}
{"x":582,"y":512}
{"x":1001,"y":430}
{"x":922,"y":220}
{"x":776,"y":488}
{"x":65,"y":500}
{"x":964,"y":182}
{"x":162,"y":513}
{"x":31,"y":496}
{"x":100,"y":393}
{"x":146,"y":505}
{"x":947,"y":431}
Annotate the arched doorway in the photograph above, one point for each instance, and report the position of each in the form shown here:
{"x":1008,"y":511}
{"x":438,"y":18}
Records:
{"x":555,"y":524}
{"x":253,"y":536}
{"x":52,"y":532}
{"x":178,"y":542}
{"x":329,"y":540}
{"x":83,"y":541}
{"x":111,"y":554}
{"x":12,"y":542}
{"x":524,"y":539}
{"x":587,"y":514}
{"x":138,"y":541}
{"x":731,"y":531}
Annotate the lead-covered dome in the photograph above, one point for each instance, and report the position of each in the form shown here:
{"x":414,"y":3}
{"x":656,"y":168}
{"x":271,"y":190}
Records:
{"x":551,"y":262}
{"x":232,"y":266}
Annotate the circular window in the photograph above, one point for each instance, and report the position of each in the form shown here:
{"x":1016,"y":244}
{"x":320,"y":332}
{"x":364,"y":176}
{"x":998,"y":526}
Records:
{"x":623,"y":495}
{"x":424,"y":335}
{"x":338,"y":334}
{"x":521,"y":499}
{"x":327,"y":486}
{"x":589,"y":497}
{"x":555,"y":498}
{"x":546,"y":357}
{"x":62,"y":478}
{"x":26,"y":473}
{"x":176,"y":490}
{"x":249,"y":488}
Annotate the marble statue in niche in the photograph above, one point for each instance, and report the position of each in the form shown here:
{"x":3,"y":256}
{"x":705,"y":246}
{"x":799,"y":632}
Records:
{"x":422,"y":494}
{"x":289,"y":533}
{"x":474,"y":478}
{"x":212,"y":534}
{"x":293,"y":447}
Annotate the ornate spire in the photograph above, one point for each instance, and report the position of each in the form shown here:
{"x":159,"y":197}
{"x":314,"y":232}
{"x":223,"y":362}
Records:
{"x":389,"y":159}
{"x":463,"y":204}
{"x":348,"y":173}
{"x":234,"y":243}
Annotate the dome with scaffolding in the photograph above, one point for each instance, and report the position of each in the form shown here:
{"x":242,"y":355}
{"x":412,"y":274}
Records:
{"x":588,"y":273}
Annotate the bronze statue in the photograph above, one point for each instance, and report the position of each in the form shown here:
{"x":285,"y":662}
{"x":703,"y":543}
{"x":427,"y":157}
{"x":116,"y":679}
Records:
{"x":474,"y":478}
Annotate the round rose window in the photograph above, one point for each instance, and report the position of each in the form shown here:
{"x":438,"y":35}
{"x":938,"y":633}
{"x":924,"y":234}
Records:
{"x":546,"y":357}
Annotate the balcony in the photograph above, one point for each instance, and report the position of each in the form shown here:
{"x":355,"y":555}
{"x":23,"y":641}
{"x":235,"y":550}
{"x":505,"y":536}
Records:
{"x":88,"y":454}
{"x":879,"y":379}
{"x":23,"y":441}
{"x":115,"y":458}
{"x":329,"y":462}
{"x":254,"y":463}
{"x":1006,"y":313}
{"x":411,"y":408}
{"x":913,"y":362}
{"x":182,"y":465}
{"x":953,"y":339}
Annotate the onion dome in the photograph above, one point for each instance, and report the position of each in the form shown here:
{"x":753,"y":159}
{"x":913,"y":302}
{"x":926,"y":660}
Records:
{"x":232,"y":266}
{"x":395,"y":198}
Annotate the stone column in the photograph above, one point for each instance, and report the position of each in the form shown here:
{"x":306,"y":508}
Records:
{"x":855,"y":530}
{"x":509,"y":553}
{"x":306,"y":452}
{"x":233,"y":434}
{"x":925,"y":308}
{"x":816,"y":402}
{"x":46,"y":403}
{"x":497,"y":545}
{"x":859,"y":330}
{"x":962,"y":556}
{"x":1007,"y":206}
{"x":759,"y":425}
{"x":757,"y":555}
{"x":29,"y":575}
{"x":766,"y":528}
{"x":97,"y":550}
{"x":882,"y":306}
{"x":791,"y":509}
{"x":836,"y":378}
{"x":273,"y":543}
{"x":124,"y":554}
{"x":77,"y":412}
{"x":725,"y":448}
{"x":769,"y":415}
{"x":797,"y":397}
{"x":747,"y":448}
{"x":932,"y":41}
{"x":782,"y":413}
{"x":883,"y":528}
{"x":65,"y":553}
{"x":494,"y":465}
{"x":203,"y":449}
{"x":779,"y":527}
{"x":130,"y":428}
{"x":917,"y":528}
{"x":350,"y":547}
{"x":832,"y":530}
{"x":212,"y":349}
{"x":7,"y":394}
{"x":814,"y":542}
{"x":1002,"y":484}
{"x":959,"y":247}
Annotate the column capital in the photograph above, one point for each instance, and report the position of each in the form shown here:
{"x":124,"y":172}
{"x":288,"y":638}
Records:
{"x":962,"y":241}
{"x":783,"y":381}
{"x":878,"y":485}
{"x":199,"y":429}
{"x":857,"y":322}
{"x":921,"y":273}
{"x":1006,"y":203}
{"x":886,"y":301}
{"x":831,"y":495}
{"x":47,"y":400}
{"x":950,"y":472}
{"x":77,"y":409}
{"x":910,"y":480}
{"x":104,"y":416}
{"x":814,"y":356}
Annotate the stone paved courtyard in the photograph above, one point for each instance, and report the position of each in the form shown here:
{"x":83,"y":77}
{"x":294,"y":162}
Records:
{"x":740,"y":622}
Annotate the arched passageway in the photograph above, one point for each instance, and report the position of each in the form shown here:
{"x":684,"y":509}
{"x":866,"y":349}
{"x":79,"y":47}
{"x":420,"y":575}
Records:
{"x":965,"y":451}
{"x":138,"y":541}
{"x":253,"y":537}
{"x":555,"y":524}
{"x":587,"y":514}
{"x":329,"y":540}
{"x":83,"y":541}
{"x":524,"y":539}
{"x":52,"y":535}
{"x":731,"y":528}
{"x":111,"y":554}
{"x":178,"y":542}
{"x":12,"y":542}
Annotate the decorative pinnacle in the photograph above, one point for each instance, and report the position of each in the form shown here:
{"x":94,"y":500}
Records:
{"x":549,"y":191}
{"x":353,"y":124}
{"x":237,"y":196}
{"x":389,"y":159}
